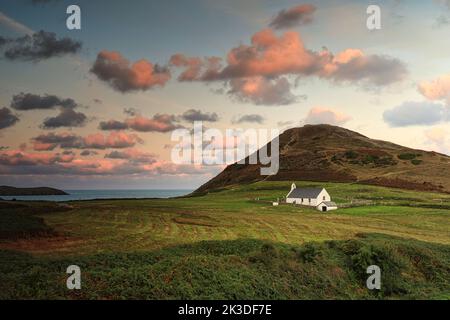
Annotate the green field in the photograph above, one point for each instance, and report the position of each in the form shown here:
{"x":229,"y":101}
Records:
{"x":230,"y":244}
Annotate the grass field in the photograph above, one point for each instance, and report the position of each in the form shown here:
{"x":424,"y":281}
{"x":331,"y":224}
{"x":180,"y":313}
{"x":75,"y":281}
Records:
{"x":230,"y":244}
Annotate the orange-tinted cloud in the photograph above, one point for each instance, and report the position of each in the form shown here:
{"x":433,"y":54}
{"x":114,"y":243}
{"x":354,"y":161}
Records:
{"x":438,"y":89}
{"x":195,"y":68}
{"x":116,"y":139}
{"x":18,"y":157}
{"x":159,"y":123}
{"x":261,"y":91}
{"x":119,"y":73}
{"x":124,"y":163}
{"x":133,"y":155}
{"x":437,"y":135}
{"x":269,"y":55}
{"x":251,"y":69}
{"x":321,"y":115}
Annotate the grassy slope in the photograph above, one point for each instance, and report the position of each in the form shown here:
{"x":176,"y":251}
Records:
{"x":330,"y":153}
{"x":227,"y":245}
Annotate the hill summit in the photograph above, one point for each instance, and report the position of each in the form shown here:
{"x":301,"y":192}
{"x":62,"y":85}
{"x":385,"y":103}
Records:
{"x":330,"y":153}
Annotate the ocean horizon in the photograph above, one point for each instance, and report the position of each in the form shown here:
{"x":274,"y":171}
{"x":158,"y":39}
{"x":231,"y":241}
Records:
{"x":93,"y":194}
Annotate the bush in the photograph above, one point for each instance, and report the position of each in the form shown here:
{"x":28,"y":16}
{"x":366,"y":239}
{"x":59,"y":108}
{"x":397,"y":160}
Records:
{"x":416,"y":162}
{"x":310,"y":251}
{"x":390,"y":262}
{"x":385,"y":161}
{"x":407,"y":156}
{"x":351,"y":154}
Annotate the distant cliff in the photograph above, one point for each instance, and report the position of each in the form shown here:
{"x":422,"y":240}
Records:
{"x":40,"y":191}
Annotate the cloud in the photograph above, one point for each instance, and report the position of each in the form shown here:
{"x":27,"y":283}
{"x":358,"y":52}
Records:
{"x":3,"y":41}
{"x":113,"y":125}
{"x":353,"y":66}
{"x":135,"y":156}
{"x":321,"y":115}
{"x":251,"y":118}
{"x":20,"y":158}
{"x":128,"y":162}
{"x":271,"y":56}
{"x":14,"y":25}
{"x":66,"y":118}
{"x":416,"y":113}
{"x":7,"y":118}
{"x":437,"y":135}
{"x":40,"y":46}
{"x":295,"y":16}
{"x":115,"y":140}
{"x":197,"y":115}
{"x":441,"y":21}
{"x":159,"y":123}
{"x":445,"y":3}
{"x":29,"y":101}
{"x":114,"y":69}
{"x":50,"y":141}
{"x":195,"y":68}
{"x":15,"y":162}
{"x":86,"y":153}
{"x":438,"y":89}
{"x":261,"y":91}
{"x":259,"y":72}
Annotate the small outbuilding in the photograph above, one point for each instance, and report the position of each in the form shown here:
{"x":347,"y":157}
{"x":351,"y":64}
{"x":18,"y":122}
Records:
{"x":327,"y":206}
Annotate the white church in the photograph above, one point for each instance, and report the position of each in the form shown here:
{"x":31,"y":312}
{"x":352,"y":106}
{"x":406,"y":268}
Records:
{"x":313,"y":197}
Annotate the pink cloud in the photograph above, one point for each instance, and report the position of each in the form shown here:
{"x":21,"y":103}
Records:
{"x":270,"y":57}
{"x":437,"y":135}
{"x":119,"y":73}
{"x":438,"y":89}
{"x":321,"y":115}
{"x":195,"y":68}
{"x":116,"y":139}
{"x":18,"y":157}
{"x":159,"y":123}
{"x":262,"y":91}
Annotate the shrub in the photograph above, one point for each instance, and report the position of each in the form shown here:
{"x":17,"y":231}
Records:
{"x":351,"y":154}
{"x":309,"y":252}
{"x":385,"y":161}
{"x":389,"y":261}
{"x":416,"y":162}
{"x":406,"y":156}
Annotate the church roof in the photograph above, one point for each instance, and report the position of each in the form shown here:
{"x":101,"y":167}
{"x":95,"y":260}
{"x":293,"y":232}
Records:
{"x":305,"y":193}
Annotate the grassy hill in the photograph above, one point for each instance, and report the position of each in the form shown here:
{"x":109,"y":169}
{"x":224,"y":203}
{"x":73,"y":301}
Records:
{"x":229,"y":245}
{"x":330,"y":153}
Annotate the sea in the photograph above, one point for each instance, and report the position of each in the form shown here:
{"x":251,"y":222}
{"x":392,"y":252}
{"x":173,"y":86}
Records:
{"x":104,"y":194}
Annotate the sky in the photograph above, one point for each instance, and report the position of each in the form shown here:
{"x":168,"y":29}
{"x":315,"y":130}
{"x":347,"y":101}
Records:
{"x":95,"y":108}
